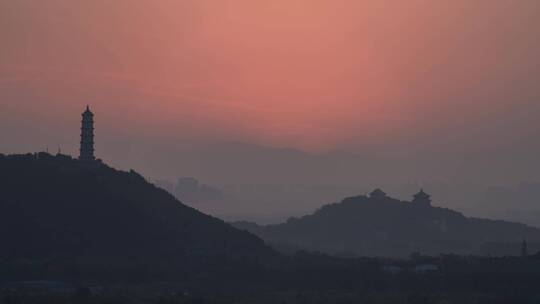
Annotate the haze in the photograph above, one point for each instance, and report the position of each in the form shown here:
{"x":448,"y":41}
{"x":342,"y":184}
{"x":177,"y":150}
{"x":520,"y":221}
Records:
{"x":346,"y":95}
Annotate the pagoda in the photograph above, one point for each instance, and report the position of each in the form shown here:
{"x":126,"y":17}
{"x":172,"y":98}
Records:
{"x":87,"y":136}
{"x":422,"y":198}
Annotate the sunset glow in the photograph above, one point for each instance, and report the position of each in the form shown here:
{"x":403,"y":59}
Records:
{"x":316,"y":75}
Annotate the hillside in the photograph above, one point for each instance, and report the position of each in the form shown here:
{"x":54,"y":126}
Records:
{"x":76,"y":217}
{"x":384,"y":226}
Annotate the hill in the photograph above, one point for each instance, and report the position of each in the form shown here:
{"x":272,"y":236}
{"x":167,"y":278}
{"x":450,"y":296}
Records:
{"x":67,"y":217}
{"x":384,"y":226}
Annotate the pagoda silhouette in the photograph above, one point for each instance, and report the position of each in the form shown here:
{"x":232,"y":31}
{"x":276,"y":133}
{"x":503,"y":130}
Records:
{"x":87,"y":136}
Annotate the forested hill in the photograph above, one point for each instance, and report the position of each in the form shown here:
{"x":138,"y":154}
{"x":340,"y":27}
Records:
{"x":384,"y":226}
{"x":74,"y":214}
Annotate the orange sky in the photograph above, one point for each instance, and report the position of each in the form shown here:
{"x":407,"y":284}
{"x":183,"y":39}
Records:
{"x":311,"y":74}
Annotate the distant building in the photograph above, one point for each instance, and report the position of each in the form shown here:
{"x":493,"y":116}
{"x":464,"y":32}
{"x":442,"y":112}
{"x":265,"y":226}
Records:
{"x":524,"y":250}
{"x":426,"y":268}
{"x":392,"y":269}
{"x":189,"y":190}
{"x":422,"y":198}
{"x":377,"y":194}
{"x":87,"y":136}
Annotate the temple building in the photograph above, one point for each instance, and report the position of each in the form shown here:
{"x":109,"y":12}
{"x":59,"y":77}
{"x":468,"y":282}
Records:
{"x":87,"y":136}
{"x":377,"y":194}
{"x":422,"y":198}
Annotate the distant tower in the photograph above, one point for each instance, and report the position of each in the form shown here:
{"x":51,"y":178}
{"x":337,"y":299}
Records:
{"x":422,"y":198}
{"x":524,"y":251}
{"x":87,"y":136}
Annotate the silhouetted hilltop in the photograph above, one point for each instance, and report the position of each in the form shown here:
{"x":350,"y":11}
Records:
{"x":87,"y":216}
{"x":378,"y":225}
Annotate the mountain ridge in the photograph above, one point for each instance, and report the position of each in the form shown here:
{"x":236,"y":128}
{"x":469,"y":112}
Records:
{"x":371,"y":226}
{"x":55,"y":208}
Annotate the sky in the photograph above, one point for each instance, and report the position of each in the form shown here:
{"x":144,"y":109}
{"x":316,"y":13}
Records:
{"x":419,"y":89}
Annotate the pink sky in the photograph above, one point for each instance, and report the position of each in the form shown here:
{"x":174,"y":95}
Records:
{"x":317,"y":75}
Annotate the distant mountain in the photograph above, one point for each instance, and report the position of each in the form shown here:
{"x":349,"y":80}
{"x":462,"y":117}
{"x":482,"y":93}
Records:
{"x":268,"y":184}
{"x":80,"y":217}
{"x":378,"y":225}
